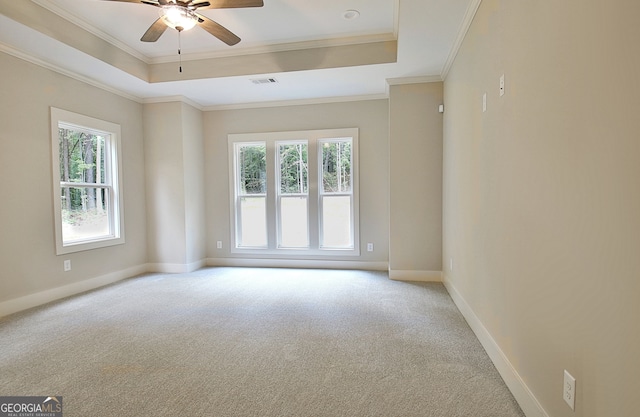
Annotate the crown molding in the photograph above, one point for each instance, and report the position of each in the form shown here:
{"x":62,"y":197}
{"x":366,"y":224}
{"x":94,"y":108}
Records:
{"x":414,"y":80}
{"x":462,"y":33}
{"x":303,"y":102}
{"x":9,"y":50}
{"x":279,"y":47}
{"x":70,"y":17}
{"x":172,"y":99}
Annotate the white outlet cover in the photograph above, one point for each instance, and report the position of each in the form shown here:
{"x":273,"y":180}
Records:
{"x":569,"y":390}
{"x":484,"y":102}
{"x":502,"y":85}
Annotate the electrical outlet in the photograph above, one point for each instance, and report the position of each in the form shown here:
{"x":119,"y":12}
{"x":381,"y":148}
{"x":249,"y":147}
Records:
{"x":67,"y":265}
{"x":484,"y":102}
{"x":569,"y":390}
{"x":219,"y":244}
{"x":369,"y":247}
{"x":502,"y":85}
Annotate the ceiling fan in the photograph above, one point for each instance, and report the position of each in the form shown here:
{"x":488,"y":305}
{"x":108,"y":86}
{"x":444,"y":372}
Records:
{"x":181,"y":15}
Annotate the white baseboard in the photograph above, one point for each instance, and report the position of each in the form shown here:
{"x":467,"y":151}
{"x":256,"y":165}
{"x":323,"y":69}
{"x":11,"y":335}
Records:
{"x":34,"y":300}
{"x":297,"y":263}
{"x":420,"y":276}
{"x":176,"y":268}
{"x":523,"y":395}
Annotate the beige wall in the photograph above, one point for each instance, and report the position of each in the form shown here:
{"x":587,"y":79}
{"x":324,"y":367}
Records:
{"x":165,"y":180}
{"x":415,"y":179}
{"x":27,"y":247}
{"x":175,"y":186}
{"x":542,"y":195}
{"x":176,"y":182}
{"x":371,"y":117}
{"x":193,"y":155}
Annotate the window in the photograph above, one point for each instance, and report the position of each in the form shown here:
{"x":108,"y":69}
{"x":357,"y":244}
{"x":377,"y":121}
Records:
{"x":251,"y":195}
{"x":295,"y":193}
{"x":336,"y":194}
{"x":86,"y":168}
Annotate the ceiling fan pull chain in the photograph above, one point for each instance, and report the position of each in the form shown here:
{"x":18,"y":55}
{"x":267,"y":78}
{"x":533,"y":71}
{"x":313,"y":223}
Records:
{"x":180,"y":49}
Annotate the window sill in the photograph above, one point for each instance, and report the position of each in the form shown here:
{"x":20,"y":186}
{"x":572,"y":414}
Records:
{"x":84,"y":246}
{"x":296,"y":253}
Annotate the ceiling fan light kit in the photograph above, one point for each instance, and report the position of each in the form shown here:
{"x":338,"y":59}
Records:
{"x":178,"y":17}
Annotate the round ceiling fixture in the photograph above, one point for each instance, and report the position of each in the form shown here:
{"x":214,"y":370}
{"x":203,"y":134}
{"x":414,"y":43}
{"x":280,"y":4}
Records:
{"x":351,"y":14}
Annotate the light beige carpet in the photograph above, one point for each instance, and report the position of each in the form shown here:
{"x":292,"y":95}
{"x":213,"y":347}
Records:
{"x":254,"y":342}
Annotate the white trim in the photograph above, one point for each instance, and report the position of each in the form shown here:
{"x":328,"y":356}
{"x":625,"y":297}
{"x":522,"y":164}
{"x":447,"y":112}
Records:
{"x":414,"y":80}
{"x":523,"y":395}
{"x":301,"y":102}
{"x":462,"y":33}
{"x":411,"y":80}
{"x":297,"y":263}
{"x":172,"y":99}
{"x":37,"y":299}
{"x":176,"y":268}
{"x":419,"y":276}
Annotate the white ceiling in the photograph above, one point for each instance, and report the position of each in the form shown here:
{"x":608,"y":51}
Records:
{"x":427,"y":34}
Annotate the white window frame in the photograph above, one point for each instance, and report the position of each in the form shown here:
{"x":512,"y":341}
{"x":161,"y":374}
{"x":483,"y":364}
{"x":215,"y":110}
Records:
{"x":313,"y":138}
{"x":238,"y":195}
{"x":113,"y":170}
{"x":279,"y":193}
{"x":322,"y":193}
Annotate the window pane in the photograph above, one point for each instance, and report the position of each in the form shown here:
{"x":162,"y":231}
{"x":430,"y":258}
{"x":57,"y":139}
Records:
{"x":84,"y":213}
{"x":294,"y":171}
{"x":82,"y":156}
{"x":336,"y":222}
{"x":253,"y":222}
{"x":336,"y":167}
{"x":252,"y":163}
{"x":293,"y":222}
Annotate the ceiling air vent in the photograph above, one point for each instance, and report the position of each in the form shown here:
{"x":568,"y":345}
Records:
{"x":264,"y":81}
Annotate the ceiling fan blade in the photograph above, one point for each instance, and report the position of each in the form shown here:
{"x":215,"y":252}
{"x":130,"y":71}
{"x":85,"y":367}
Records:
{"x":155,"y":31}
{"x":217,"y":30}
{"x":194,"y":6}
{"x":227,"y":4}
{"x":149,"y":2}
